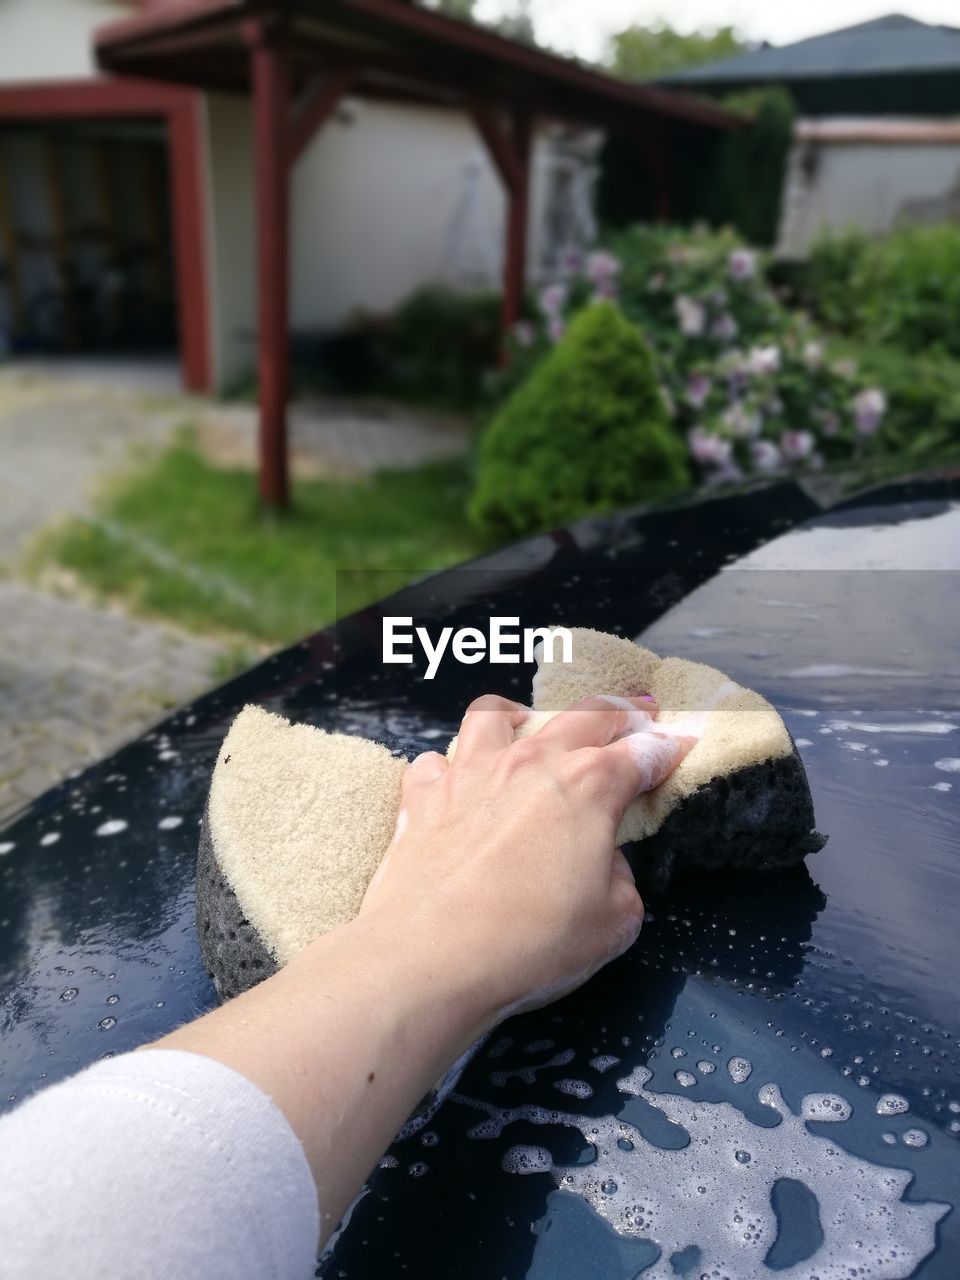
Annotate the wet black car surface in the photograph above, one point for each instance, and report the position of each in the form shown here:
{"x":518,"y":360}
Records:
{"x":654,"y":1123}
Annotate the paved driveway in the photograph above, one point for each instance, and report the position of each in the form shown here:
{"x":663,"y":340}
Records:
{"x":77,"y":678}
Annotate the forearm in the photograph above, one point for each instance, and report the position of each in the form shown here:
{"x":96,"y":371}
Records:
{"x":346,"y":1040}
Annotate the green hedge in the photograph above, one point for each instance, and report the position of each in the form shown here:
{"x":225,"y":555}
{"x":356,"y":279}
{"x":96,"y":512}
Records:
{"x":587,"y":431}
{"x":902,"y":289}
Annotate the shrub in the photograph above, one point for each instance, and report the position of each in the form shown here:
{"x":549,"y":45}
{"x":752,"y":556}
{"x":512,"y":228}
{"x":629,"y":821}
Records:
{"x":751,"y":387}
{"x":587,"y":431}
{"x":907,"y":289}
{"x":826,"y":278}
{"x":745,"y":184}
{"x":439,"y":344}
{"x":903,"y":288}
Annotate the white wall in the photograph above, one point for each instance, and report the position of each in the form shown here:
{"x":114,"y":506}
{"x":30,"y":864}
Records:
{"x":866,"y":185}
{"x":231,"y":259}
{"x":376,"y":199}
{"x":51,"y":39}
{"x":380,"y":206}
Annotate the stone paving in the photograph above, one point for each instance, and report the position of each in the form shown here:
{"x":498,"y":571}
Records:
{"x":77,"y":678}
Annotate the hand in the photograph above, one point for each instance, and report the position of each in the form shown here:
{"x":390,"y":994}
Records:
{"x":504,"y":861}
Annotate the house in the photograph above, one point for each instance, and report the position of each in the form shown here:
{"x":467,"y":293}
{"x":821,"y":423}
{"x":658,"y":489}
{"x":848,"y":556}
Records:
{"x":236,"y":169}
{"x":877,"y":139}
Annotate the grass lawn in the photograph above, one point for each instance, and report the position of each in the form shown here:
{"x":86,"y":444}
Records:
{"x":184,"y":540}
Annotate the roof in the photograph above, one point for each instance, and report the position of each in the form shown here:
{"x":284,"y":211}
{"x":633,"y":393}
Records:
{"x":893,"y":45}
{"x":403,"y":49}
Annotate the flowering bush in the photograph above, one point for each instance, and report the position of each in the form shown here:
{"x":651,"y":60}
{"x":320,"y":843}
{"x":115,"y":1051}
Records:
{"x":751,"y":387}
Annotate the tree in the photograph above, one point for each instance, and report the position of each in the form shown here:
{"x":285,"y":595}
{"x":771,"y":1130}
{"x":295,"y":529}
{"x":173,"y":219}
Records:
{"x":644,"y":53}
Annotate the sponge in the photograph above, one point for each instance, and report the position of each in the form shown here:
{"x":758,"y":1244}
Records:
{"x":297,"y":819}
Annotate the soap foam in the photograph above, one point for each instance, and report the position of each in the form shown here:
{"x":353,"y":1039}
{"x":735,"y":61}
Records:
{"x":714,"y":1193}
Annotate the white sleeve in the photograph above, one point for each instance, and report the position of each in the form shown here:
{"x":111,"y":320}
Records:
{"x":157,"y":1164}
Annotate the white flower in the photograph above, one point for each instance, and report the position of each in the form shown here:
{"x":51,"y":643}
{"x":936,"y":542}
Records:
{"x":797,"y":445}
{"x":552,"y":299}
{"x":813,"y":355}
{"x":763,"y":360}
{"x":868,"y":410}
{"x":743,"y":423}
{"x":708,"y":450}
{"x":691,"y":316}
{"x":766,"y":456}
{"x":742,"y":264}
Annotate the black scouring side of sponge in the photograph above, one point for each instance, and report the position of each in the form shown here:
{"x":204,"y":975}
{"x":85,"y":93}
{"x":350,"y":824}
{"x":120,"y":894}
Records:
{"x":758,"y":818}
{"x":233,"y":952}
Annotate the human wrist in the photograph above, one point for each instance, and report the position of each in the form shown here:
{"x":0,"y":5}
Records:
{"x":414,"y":973}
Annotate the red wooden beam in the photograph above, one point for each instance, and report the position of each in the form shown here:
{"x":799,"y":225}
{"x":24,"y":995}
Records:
{"x":316,"y":107}
{"x":500,"y":146}
{"x":518,"y":207}
{"x":270,"y":73}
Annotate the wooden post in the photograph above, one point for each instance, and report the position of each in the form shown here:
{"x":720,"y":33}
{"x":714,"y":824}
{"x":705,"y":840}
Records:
{"x":271,"y":99}
{"x":518,"y":210}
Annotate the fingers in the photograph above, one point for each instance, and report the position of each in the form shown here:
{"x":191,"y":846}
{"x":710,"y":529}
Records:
{"x":489,"y":725}
{"x":427,"y":767}
{"x":641,"y":761}
{"x":595,"y":722}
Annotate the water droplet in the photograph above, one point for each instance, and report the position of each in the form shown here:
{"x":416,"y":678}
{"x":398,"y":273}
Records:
{"x":624,"y":1144}
{"x":111,"y":827}
{"x":609,"y":1187}
{"x":105,"y":1024}
{"x":742,"y":1157}
{"x":112,"y":1000}
{"x":915,"y":1138}
{"x":69,"y":993}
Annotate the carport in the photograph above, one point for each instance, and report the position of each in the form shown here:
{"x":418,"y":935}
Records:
{"x":299,"y":58}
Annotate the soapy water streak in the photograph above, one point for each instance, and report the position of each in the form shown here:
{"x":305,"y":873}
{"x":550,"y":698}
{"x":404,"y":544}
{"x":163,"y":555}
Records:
{"x":715,"y":1192}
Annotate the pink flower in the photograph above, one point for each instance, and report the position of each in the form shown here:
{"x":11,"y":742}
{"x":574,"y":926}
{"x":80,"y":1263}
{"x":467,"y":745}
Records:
{"x":571,"y":260}
{"x":552,"y":299}
{"x":868,"y":410}
{"x":829,"y":423}
{"x":602,"y":267}
{"x":742,"y":422}
{"x":725,"y":328}
{"x":698,"y":388}
{"x":708,"y":450}
{"x":604,"y":291}
{"x":729,"y":473}
{"x":742,"y":264}
{"x":797,"y":445}
{"x":766,"y":456}
{"x":763,"y":360}
{"x":556,"y":328}
{"x":691,"y":316}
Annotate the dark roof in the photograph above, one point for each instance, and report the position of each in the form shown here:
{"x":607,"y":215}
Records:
{"x":890,"y":46}
{"x":403,"y":49}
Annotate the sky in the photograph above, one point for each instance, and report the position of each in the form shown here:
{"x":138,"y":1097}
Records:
{"x":583,"y":27}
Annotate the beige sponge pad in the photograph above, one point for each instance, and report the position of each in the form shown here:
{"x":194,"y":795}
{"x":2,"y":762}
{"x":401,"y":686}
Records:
{"x":299,"y":820}
{"x":736,"y":727}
